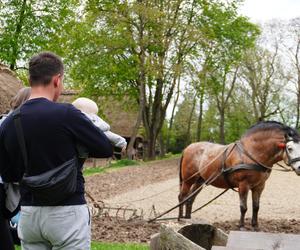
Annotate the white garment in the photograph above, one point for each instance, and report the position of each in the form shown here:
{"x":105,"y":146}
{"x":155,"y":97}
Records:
{"x":115,"y":139}
{"x":98,"y":122}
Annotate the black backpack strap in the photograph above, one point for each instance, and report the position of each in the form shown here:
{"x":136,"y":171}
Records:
{"x":20,"y":135}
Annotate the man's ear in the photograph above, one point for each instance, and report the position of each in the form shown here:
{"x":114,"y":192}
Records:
{"x":56,"y":81}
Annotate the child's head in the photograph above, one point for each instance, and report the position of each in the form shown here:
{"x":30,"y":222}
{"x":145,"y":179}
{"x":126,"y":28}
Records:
{"x":86,"y":105}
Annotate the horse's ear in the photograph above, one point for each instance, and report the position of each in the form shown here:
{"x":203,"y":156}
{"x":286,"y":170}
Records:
{"x":281,"y":145}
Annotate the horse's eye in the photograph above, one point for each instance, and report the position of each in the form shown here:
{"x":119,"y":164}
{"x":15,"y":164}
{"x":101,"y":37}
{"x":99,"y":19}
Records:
{"x":290,"y":150}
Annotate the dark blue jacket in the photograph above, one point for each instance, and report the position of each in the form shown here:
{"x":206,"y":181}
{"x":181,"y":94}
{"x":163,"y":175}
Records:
{"x":51,"y":132}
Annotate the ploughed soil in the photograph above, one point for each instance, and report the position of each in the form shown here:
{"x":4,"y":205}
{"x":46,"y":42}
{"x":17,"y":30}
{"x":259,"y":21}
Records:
{"x":291,"y":226}
{"x":279,"y":205}
{"x":119,"y":230}
{"x":118,"y":181}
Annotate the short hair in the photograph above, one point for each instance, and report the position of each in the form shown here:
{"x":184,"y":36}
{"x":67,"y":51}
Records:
{"x":43,"y":67}
{"x":21,"y":97}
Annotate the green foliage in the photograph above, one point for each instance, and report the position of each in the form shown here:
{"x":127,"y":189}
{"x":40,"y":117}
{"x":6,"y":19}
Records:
{"x":29,"y":26}
{"x":180,"y":136}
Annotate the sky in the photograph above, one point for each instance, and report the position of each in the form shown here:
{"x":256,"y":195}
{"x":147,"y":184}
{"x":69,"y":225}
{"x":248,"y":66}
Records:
{"x":264,"y":10}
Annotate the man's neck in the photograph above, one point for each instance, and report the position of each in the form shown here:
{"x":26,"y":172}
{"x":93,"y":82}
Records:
{"x":41,"y":92}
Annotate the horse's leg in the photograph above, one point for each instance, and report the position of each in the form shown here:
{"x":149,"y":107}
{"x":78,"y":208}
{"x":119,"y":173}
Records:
{"x":184,"y":191}
{"x":189,"y":203}
{"x":243,"y":193}
{"x":256,"y":193}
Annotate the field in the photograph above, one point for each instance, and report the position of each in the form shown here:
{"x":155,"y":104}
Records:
{"x":152,"y":187}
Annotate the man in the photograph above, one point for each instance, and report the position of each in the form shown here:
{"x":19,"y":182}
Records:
{"x":51,"y":132}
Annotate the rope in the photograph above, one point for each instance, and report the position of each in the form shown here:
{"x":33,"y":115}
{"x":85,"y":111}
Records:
{"x":195,"y":192}
{"x":284,"y":168}
{"x":223,"y":192}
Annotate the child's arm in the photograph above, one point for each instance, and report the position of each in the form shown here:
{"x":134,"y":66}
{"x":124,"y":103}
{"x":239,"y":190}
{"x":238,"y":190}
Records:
{"x":116,"y":140}
{"x":98,"y":122}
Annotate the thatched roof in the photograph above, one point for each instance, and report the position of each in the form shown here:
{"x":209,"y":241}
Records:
{"x":9,"y":86}
{"x":121,"y":115}
{"x":68,"y":95}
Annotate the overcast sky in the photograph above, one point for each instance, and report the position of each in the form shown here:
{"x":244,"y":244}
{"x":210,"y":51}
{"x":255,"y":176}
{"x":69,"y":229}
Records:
{"x":263,"y":10}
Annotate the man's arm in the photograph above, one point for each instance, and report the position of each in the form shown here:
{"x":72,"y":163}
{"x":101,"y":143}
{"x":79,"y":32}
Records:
{"x":8,"y":172}
{"x":87,"y":134}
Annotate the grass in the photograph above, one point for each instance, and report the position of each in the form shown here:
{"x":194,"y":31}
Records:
{"x":113,"y":165}
{"x":118,"y":246}
{"x":124,"y":163}
{"x":113,"y":246}
{"x":170,"y":156}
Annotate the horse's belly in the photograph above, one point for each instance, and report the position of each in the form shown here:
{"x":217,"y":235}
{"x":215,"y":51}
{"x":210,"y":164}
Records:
{"x":250,"y":177}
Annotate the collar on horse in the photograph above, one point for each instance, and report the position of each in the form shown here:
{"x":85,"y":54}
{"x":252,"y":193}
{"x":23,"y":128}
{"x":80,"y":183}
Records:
{"x":256,"y":165}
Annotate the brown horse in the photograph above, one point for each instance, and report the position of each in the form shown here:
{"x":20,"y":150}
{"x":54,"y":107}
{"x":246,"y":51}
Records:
{"x":245,"y":164}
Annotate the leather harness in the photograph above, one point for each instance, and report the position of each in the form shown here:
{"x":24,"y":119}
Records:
{"x":256,"y":166}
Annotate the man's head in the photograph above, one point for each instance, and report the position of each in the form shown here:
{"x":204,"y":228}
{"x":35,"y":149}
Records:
{"x":46,"y":71}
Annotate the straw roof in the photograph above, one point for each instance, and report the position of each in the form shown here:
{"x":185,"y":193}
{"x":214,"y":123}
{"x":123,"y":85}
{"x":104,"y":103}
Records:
{"x":120,"y":114}
{"x":68,"y":95}
{"x":9,"y":86}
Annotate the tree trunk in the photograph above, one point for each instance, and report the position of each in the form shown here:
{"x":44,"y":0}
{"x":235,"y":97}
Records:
{"x":130,"y":147}
{"x":199,"y":126}
{"x":151,"y":147}
{"x":162,"y":151}
{"x":188,"y":140}
{"x":222,"y":126}
{"x":298,"y":104}
{"x":172,"y":115}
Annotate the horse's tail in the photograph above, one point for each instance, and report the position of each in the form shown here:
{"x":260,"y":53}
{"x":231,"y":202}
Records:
{"x":180,"y":173}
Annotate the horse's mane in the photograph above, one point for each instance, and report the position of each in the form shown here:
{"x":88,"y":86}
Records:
{"x":273,"y":125}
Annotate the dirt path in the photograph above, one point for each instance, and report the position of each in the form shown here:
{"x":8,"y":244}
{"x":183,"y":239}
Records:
{"x":279,"y":200}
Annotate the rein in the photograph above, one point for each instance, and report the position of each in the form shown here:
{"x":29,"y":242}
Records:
{"x":243,"y":150}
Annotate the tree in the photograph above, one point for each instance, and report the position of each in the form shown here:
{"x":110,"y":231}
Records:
{"x":28,"y":26}
{"x":263,"y":81}
{"x":230,"y":36}
{"x":292,"y":46}
{"x":138,"y":48}
{"x":185,"y":122}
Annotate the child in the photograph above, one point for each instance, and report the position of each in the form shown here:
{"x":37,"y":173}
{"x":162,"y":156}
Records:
{"x":90,"y":109}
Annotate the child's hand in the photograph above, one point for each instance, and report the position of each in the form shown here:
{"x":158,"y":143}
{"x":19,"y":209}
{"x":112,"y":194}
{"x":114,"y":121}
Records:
{"x":123,"y":151}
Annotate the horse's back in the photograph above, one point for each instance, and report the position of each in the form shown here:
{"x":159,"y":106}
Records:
{"x":198,"y":155}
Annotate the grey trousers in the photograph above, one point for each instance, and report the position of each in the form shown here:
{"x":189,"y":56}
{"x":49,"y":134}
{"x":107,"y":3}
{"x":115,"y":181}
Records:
{"x":55,"y":228}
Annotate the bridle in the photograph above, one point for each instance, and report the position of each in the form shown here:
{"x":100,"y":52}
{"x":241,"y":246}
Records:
{"x":290,"y":160}
{"x":256,"y":165}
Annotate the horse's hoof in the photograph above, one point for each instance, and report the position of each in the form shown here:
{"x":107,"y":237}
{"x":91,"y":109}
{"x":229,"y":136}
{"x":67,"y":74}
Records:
{"x":243,"y":229}
{"x":255,"y":229}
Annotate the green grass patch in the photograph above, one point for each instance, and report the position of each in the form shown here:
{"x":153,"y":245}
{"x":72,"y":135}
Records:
{"x":170,"y":156}
{"x":113,"y":246}
{"x":113,"y":165}
{"x":118,"y":246}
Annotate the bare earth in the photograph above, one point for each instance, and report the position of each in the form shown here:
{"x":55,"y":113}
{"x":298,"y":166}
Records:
{"x":153,"y":188}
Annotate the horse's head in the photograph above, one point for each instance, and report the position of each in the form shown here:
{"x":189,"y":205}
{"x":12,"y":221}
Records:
{"x":285,"y":139}
{"x":293,"y":155}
